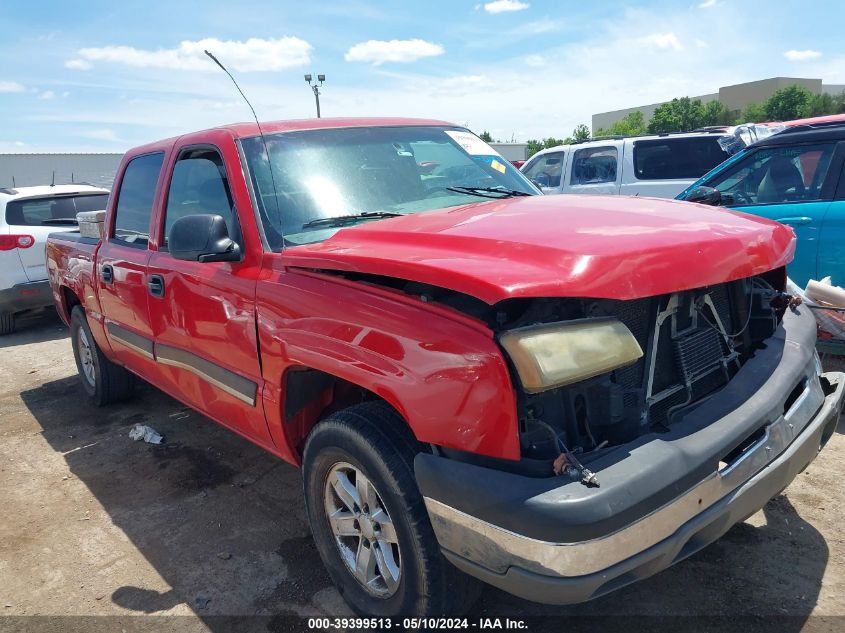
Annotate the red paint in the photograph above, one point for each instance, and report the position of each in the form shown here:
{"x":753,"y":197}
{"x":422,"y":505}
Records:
{"x":611,"y":247}
{"x":271,"y":314}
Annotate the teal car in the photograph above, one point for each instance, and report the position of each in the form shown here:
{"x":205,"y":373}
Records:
{"x":795,"y":177}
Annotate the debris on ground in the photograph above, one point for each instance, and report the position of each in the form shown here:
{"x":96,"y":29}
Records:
{"x":202,"y":602}
{"x":146,"y":433}
{"x":224,"y":555}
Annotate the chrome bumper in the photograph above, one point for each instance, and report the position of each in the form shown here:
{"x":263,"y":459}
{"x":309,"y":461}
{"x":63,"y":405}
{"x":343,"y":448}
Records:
{"x":572,"y":572}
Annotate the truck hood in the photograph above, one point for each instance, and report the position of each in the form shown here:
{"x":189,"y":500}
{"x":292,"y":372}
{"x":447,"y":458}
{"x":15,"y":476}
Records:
{"x":608,"y":247}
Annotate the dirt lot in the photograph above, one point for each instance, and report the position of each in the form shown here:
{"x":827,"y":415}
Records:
{"x":207,"y":525}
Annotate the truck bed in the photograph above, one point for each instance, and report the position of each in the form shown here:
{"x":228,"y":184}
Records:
{"x":71,"y":271}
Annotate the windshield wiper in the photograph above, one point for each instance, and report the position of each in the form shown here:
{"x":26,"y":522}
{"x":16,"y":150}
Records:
{"x":340,"y":220}
{"x":484,"y":192}
{"x":60,"y":221}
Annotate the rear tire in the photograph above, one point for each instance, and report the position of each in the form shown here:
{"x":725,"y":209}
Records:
{"x":104,"y":381}
{"x":366,"y":452}
{"x":7,"y":323}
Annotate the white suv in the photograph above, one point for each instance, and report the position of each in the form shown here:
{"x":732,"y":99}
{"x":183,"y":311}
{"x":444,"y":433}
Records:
{"x":661,"y":166}
{"x":27,"y":216}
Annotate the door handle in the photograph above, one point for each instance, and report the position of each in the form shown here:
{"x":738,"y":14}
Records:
{"x":156,"y":285}
{"x":107,"y":273}
{"x":795,"y":220}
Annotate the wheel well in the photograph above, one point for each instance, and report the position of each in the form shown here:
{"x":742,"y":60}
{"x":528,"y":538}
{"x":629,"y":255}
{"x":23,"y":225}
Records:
{"x":311,"y":394}
{"x":70,"y":301}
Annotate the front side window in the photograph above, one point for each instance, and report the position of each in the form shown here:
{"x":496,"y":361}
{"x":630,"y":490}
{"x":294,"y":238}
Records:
{"x":546,"y":170}
{"x":317,"y":181}
{"x":594,"y":165}
{"x":55,"y":210}
{"x":772,"y":175}
{"x":672,"y":157}
{"x":135,"y":199}
{"x":199,"y":185}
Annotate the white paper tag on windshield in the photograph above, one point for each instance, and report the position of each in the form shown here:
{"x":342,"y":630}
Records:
{"x":472,"y":145}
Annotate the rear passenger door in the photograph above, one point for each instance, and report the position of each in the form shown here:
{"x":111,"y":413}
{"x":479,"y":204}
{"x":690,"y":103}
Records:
{"x":594,"y":170}
{"x":663,"y":167}
{"x":203,"y":314}
{"x":122,"y":264}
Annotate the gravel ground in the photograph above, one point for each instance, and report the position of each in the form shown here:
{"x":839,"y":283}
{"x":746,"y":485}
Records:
{"x":208,"y":525}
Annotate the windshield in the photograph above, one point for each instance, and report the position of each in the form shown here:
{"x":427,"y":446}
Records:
{"x":369,"y":173}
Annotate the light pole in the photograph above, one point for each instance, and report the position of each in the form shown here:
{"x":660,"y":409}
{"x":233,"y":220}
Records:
{"x":316,"y":88}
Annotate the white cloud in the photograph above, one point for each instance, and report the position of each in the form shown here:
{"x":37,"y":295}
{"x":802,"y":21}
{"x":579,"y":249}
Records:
{"x":379,"y":51}
{"x":102,"y":134}
{"x":78,"y":64}
{"x":701,"y":44}
{"x":802,"y":56}
{"x":47,"y":95}
{"x":11,"y":86}
{"x":535,"y":60}
{"x":662,"y":40}
{"x":504,"y":6}
{"x":254,"y":54}
{"x":707,"y":4}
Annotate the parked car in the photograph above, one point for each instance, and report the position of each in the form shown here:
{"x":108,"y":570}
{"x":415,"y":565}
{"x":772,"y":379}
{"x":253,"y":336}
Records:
{"x":557,"y":395}
{"x":657,"y":166}
{"x":27,"y":216}
{"x":794,"y":177}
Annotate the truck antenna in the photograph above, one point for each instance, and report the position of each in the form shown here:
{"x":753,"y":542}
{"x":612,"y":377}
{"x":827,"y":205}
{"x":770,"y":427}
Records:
{"x":259,"y":199}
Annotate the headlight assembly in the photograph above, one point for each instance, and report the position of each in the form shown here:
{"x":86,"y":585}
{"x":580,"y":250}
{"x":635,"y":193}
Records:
{"x":558,"y":354}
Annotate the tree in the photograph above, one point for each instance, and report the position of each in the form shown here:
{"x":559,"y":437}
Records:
{"x":632,"y":125}
{"x":788,"y":103}
{"x":819,"y":105}
{"x":716,"y":113}
{"x":581,"y":133}
{"x":486,"y":137}
{"x":755,"y":113}
{"x":534,"y":146}
{"x":678,"y":115}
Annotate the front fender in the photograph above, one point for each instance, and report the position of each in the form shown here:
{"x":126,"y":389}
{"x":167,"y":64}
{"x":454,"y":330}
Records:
{"x":441,"y":371}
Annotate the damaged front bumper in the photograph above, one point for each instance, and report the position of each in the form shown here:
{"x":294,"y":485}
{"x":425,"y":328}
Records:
{"x":663,"y":497}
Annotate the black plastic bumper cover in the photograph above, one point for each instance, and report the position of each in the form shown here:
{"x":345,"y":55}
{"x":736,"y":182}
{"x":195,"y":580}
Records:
{"x":642,"y":477}
{"x":28,"y":296}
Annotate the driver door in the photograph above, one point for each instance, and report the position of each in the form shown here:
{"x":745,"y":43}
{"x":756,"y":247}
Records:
{"x":203,"y":314}
{"x":787,"y":184}
{"x":546,"y":171}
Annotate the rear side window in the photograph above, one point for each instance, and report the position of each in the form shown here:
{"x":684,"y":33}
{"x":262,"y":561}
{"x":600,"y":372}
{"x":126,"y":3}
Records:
{"x":53,"y":211}
{"x":135,"y":199}
{"x":672,"y":158}
{"x":546,"y":170}
{"x":594,"y":165}
{"x":199,"y":186}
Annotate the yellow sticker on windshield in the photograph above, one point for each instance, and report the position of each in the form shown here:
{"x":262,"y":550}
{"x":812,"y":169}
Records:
{"x":497,"y":166}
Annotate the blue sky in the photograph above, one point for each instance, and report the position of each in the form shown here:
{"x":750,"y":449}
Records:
{"x":105,"y":76}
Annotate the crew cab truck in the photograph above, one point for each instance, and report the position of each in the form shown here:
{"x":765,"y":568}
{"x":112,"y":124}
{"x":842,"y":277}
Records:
{"x":556,"y":395}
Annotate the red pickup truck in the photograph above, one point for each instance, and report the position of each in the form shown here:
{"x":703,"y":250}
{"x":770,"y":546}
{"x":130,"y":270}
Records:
{"x":556,"y":395}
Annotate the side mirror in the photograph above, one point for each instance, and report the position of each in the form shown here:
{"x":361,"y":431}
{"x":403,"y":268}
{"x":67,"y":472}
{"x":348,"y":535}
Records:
{"x":202,"y":238}
{"x":705,"y":195}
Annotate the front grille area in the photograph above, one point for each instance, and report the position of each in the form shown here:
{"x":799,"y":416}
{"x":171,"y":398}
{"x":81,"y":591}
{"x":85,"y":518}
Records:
{"x":693,"y":343}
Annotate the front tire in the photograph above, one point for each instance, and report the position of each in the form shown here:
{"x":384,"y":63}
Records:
{"x":369,"y":520}
{"x":104,"y":381}
{"x":7,"y":323}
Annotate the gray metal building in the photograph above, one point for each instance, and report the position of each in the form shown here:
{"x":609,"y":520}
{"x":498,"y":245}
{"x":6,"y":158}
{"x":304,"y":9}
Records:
{"x":25,"y":170}
{"x":736,"y":98}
